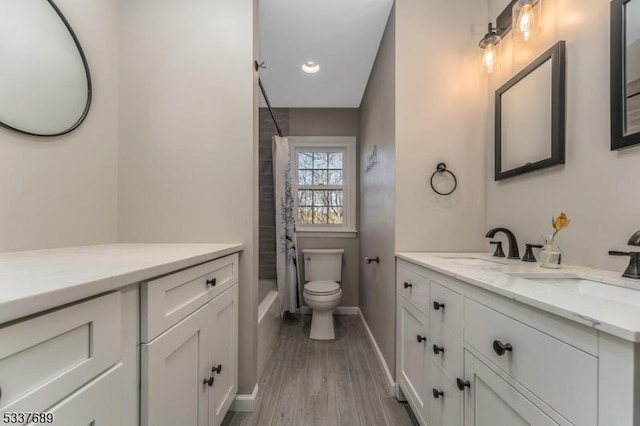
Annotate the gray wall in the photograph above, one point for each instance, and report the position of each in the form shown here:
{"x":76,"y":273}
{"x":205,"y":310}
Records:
{"x":377,"y":198}
{"x":594,"y":185}
{"x":62,"y":191}
{"x":188,"y":137}
{"x":305,"y":122}
{"x":332,"y":122}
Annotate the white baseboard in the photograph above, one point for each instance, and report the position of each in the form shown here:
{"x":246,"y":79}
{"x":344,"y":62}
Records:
{"x":391,"y":384}
{"x":340,"y":310}
{"x":245,"y":403}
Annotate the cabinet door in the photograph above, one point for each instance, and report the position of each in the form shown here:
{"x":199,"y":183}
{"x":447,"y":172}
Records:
{"x":174,"y":366}
{"x":223,"y":353}
{"x":491,"y":401}
{"x":97,"y":404}
{"x":413,"y":356}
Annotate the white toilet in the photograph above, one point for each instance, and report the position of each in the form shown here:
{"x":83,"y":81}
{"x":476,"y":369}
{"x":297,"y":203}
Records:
{"x":322,"y":292}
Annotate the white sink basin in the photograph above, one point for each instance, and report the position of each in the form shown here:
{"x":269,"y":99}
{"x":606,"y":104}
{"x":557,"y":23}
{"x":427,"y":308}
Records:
{"x":616,"y":293}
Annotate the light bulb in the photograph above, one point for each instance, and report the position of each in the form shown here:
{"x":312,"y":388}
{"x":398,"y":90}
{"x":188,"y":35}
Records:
{"x":526,"y":21}
{"x":489,"y":58}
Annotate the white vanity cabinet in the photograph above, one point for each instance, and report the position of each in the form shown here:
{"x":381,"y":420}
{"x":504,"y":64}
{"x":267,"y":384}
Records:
{"x":45,"y":359}
{"x":119,"y":334}
{"x":189,"y":363}
{"x":412,"y":354}
{"x":495,"y":361}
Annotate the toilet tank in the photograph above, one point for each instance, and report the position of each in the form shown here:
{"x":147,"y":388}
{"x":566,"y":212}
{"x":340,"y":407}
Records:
{"x":323,"y":265}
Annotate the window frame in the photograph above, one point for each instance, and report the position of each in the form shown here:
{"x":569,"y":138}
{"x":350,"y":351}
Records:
{"x":346,"y":144}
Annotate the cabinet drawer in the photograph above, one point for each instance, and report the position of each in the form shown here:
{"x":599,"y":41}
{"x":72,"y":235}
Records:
{"x":445,"y":408}
{"x":448,"y":316}
{"x":96,"y":404}
{"x":450,"y":359}
{"x":45,"y":358}
{"x":413,"y":357}
{"x":559,"y":374}
{"x":413,"y":286}
{"x":168,"y":300}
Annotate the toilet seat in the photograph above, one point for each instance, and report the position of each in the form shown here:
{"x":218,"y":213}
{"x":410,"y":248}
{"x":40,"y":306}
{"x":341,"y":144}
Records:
{"x":321,"y":288}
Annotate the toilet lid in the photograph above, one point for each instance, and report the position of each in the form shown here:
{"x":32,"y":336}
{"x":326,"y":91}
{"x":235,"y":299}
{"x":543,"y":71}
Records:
{"x":321,"y":287}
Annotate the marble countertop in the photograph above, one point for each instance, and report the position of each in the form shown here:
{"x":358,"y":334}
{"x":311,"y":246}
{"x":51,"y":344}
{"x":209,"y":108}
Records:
{"x":601,"y":306}
{"x":34,"y":281}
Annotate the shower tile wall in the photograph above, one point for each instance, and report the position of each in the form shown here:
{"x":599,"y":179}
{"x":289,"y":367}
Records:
{"x":267,"y":255}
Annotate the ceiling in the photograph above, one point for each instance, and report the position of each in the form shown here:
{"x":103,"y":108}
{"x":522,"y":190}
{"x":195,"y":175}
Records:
{"x":341,"y":35}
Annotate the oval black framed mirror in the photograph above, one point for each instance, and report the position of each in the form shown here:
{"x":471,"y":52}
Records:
{"x":45,"y":80}
{"x":625,"y":73}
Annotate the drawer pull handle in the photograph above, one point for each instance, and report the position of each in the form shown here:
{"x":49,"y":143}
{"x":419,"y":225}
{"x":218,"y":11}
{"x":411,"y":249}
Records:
{"x":407,"y":285}
{"x":212,"y":282}
{"x":438,"y":349}
{"x":437,"y":306}
{"x":500,"y":348}
{"x":437,"y":393}
{"x":208,"y":381}
{"x":421,"y":338}
{"x":462,"y":384}
{"x":217,"y":369}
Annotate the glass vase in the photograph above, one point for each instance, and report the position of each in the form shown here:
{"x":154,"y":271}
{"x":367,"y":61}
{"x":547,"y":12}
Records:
{"x":550,"y":254}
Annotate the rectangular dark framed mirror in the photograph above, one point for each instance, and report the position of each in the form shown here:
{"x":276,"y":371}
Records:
{"x":530,"y":117}
{"x":625,"y":73}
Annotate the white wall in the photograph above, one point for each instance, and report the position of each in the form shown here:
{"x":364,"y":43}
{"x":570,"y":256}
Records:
{"x":439,"y":118}
{"x":377,"y":197}
{"x":62,"y":191}
{"x":188,"y":139}
{"x":596,"y":187}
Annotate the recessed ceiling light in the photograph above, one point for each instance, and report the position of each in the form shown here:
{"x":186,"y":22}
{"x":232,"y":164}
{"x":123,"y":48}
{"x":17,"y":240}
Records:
{"x":310,"y":67}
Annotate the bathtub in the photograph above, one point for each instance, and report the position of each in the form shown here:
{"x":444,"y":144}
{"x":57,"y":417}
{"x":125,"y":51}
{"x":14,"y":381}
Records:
{"x":268,"y":320}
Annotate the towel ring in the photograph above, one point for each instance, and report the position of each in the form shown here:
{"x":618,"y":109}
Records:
{"x":440,"y":169}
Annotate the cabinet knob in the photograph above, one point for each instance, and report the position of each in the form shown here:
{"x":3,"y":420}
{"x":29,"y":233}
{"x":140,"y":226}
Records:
{"x":437,"y":305}
{"x":437,"y":393}
{"x":217,"y":369}
{"x":462,"y":384}
{"x":212,"y":282}
{"x":500,"y":348}
{"x":208,"y":381}
{"x":421,"y":338}
{"x":407,"y":285}
{"x":438,"y":349}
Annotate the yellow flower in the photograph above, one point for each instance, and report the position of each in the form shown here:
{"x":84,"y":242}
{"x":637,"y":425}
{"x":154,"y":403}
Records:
{"x":560,"y":222}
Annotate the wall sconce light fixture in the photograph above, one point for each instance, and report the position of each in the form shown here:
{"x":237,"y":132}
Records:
{"x":490,"y":44}
{"x":523,"y":16}
{"x":526,"y":19}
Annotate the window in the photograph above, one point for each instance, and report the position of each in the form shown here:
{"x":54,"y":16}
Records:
{"x":324,"y":183}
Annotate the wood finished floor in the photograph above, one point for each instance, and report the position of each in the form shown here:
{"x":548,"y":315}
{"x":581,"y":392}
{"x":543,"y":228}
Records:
{"x":313,"y":383}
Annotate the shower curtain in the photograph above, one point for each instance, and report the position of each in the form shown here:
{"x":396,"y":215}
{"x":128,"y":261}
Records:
{"x":286,"y":255}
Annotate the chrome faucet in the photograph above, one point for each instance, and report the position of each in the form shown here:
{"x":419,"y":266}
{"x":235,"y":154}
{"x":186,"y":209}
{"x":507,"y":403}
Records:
{"x":513,"y":243}
{"x":633,"y":270}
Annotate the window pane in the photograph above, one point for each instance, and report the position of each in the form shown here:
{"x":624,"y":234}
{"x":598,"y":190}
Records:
{"x":335,"y":216}
{"x":335,"y":198}
{"x":305,"y":198}
{"x":321,"y":198}
{"x":320,"y":160}
{"x":320,"y":177}
{"x":305,"y":177}
{"x":320,"y":214}
{"x":335,"y":177}
{"x":335,"y":160}
{"x":305,"y":216}
{"x":305,"y":160}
